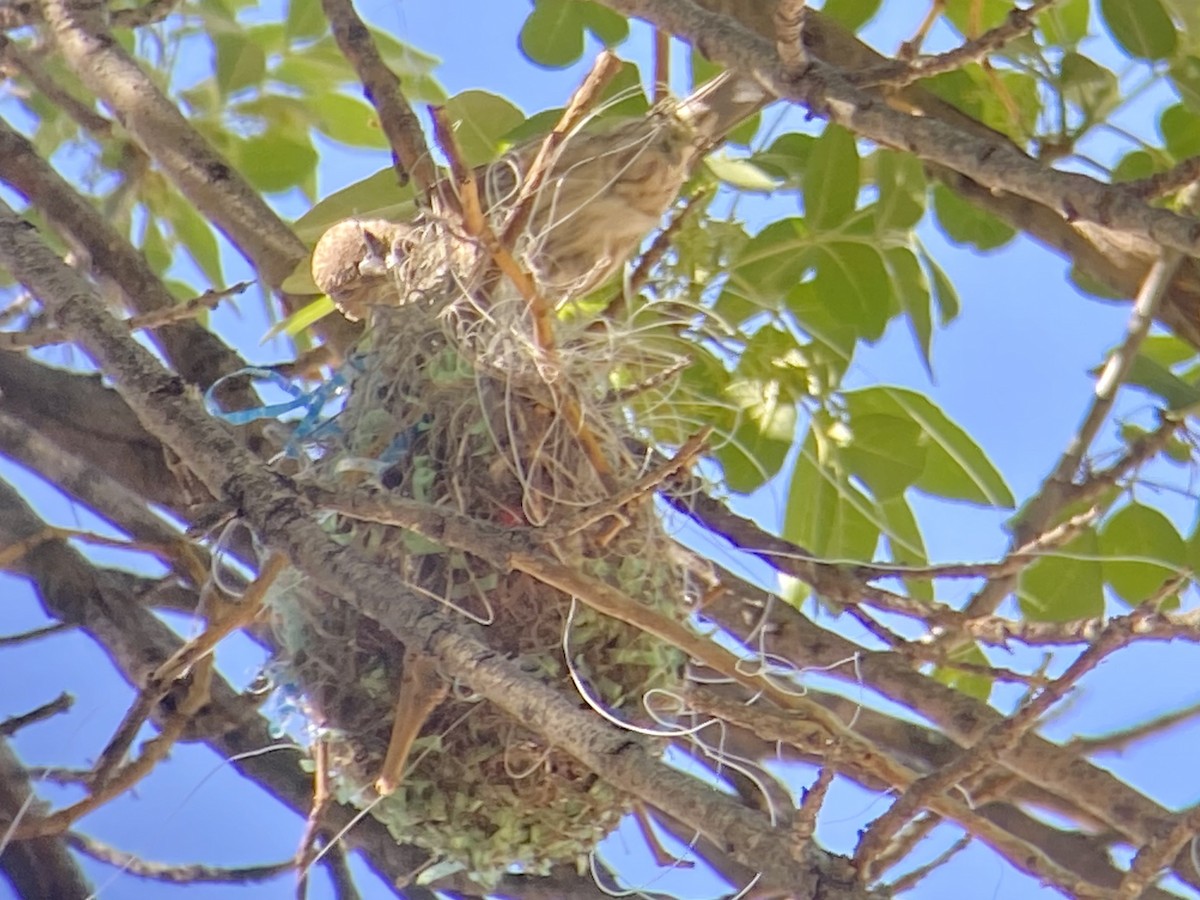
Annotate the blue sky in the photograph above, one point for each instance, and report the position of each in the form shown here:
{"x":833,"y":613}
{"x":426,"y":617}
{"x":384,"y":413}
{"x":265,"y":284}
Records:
{"x":1013,"y":371}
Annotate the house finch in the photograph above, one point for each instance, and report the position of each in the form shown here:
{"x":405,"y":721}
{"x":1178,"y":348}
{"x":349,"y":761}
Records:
{"x":605,"y":190}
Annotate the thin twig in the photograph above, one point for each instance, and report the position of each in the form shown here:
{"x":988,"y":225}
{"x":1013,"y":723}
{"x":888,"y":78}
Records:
{"x":916,"y":876}
{"x":59,"y":704}
{"x":1019,"y":23}
{"x":26,"y":637}
{"x":130,"y":864}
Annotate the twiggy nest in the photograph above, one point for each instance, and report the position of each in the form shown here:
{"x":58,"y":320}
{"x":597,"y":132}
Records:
{"x":452,"y":402}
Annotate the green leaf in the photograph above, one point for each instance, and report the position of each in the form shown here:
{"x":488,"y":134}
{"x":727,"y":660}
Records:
{"x":553,"y":34}
{"x":968,"y":225}
{"x":905,"y":542}
{"x":1131,"y":538}
{"x":1185,"y":75}
{"x":481,"y":120}
{"x":742,"y":174}
{"x":853,"y":14}
{"x":1142,"y":28}
{"x":347,"y":119}
{"x":1134,"y":165}
{"x":912,"y":288}
{"x":1180,"y":127}
{"x":1089,"y":85}
{"x":765,"y":394}
{"x":1162,"y":382}
{"x":944,"y":295}
{"x":969,"y":683}
{"x":1065,"y":24}
{"x":825,"y":513}
{"x":1066,"y":586}
{"x":196,"y":235}
{"x":901,"y":183}
{"x":766,"y":268}
{"x":956,"y":467}
{"x":853,"y":280}
{"x":831,"y":179}
{"x":377,"y":196}
{"x":274,"y":161}
{"x":240,"y":62}
{"x":302,"y":319}
{"x":829,"y":353}
{"x":972,"y":17}
{"x":787,"y":158}
{"x":305,"y":20}
{"x":885,"y":452}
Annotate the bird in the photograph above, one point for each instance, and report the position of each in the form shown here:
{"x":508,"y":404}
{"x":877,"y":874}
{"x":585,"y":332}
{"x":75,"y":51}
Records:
{"x":605,"y":189}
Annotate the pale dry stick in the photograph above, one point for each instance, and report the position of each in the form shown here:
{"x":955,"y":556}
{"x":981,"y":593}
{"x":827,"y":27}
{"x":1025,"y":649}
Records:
{"x":223,"y":619}
{"x":789,"y":37}
{"x":1053,"y":492}
{"x":307,"y":853}
{"x":663,"y":858}
{"x":987,"y":751}
{"x":476,"y":226}
{"x":912,"y":46}
{"x":585,"y":97}
{"x":1157,"y":855}
{"x":916,"y":876}
{"x":382,"y":87}
{"x":841,"y":747}
{"x":422,"y":689}
{"x":1019,"y":23}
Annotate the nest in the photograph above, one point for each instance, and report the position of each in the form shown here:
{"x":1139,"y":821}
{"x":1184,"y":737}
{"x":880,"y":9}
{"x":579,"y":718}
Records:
{"x":452,"y":403}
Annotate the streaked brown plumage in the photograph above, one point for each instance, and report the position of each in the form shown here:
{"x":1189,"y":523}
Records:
{"x":604,"y":192}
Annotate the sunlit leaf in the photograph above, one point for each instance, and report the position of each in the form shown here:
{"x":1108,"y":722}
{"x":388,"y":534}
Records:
{"x":481,"y":120}
{"x":851,"y":13}
{"x":826,"y":514}
{"x":1142,"y":549}
{"x":1064,"y":586}
{"x":742,"y":174}
{"x":967,"y":224}
{"x":240,"y":62}
{"x":956,"y":467}
{"x":901,"y":183}
{"x":302,"y":319}
{"x":831,"y":179}
{"x":1143,"y":29}
{"x":905,"y":542}
{"x":376,"y":196}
